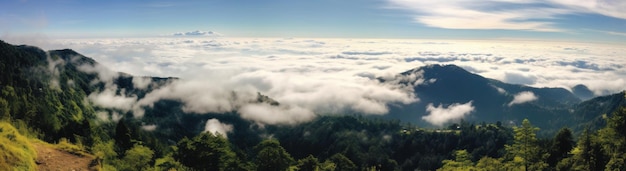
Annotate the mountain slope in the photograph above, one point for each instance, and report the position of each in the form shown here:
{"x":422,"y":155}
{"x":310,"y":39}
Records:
{"x":590,"y":114}
{"x":48,"y":89}
{"x":449,"y":84}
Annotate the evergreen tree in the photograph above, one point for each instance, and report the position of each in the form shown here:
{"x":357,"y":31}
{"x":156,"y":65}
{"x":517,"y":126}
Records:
{"x":123,"y":140}
{"x":562,"y":144}
{"x":310,"y":163}
{"x":462,"y":162}
{"x":342,"y":162}
{"x":613,"y":139}
{"x":524,"y":151}
{"x":206,"y":152}
{"x":489,"y":164}
{"x":138,"y":158}
{"x":272,"y":157}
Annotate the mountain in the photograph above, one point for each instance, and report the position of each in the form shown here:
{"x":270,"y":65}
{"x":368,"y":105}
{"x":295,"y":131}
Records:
{"x":590,"y":114}
{"x":63,"y":79}
{"x":582,"y":92}
{"x":447,"y":85}
{"x":61,"y":96}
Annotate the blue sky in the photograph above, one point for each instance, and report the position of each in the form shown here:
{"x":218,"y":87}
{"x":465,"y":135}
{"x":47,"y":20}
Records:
{"x":580,"y":20}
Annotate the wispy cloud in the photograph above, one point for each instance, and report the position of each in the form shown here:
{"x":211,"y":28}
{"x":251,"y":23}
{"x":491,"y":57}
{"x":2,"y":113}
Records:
{"x":611,"y":8}
{"x":523,"y":97}
{"x":215,"y":127}
{"x":531,"y":15}
{"x":616,"y":33}
{"x":440,"y":115}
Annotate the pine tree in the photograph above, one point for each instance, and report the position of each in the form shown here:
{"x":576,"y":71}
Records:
{"x":272,"y":157}
{"x":562,"y":144}
{"x":206,"y":152}
{"x":525,"y":151}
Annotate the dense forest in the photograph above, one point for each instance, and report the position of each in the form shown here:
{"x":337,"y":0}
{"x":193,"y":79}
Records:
{"x":44,"y":96}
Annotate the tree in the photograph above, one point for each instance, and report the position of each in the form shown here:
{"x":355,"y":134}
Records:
{"x":613,"y":140}
{"x":588,"y":155}
{"x":138,"y":158}
{"x":524,"y":151}
{"x":123,"y":140}
{"x":489,"y":164}
{"x":272,"y":157}
{"x":342,"y":162}
{"x":310,"y":163}
{"x":462,"y":162}
{"x":562,"y":144}
{"x":206,"y":152}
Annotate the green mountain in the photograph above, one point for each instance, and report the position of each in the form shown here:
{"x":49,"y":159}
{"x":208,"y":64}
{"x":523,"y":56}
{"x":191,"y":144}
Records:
{"x":449,"y":84}
{"x":50,"y":94}
{"x":62,"y":79}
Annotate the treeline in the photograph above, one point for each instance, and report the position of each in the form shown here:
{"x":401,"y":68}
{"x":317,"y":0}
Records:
{"x":357,"y":143}
{"x":604,"y":149}
{"x":327,"y":143}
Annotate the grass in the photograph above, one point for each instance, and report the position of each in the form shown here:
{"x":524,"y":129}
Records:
{"x":16,"y":151}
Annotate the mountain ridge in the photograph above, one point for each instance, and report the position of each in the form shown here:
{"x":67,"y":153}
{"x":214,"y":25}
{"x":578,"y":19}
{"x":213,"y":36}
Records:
{"x":439,"y":86}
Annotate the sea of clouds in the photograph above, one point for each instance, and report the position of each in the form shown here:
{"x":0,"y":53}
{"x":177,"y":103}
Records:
{"x":310,"y":77}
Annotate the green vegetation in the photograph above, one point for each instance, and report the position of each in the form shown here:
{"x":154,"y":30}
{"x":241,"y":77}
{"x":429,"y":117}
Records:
{"x":604,"y":150}
{"x":43,"y":95}
{"x":16,"y":151}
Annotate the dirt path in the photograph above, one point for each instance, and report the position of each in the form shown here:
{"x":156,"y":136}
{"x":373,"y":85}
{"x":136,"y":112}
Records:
{"x":49,"y":158}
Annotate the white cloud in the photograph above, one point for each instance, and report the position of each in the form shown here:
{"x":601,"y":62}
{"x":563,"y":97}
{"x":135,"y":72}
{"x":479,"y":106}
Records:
{"x":149,"y":127}
{"x":267,"y":114}
{"x":197,"y":33}
{"x":463,"y":14}
{"x":109,"y":99}
{"x":141,"y":82}
{"x":440,"y":115}
{"x":523,"y":97}
{"x":215,"y":127}
{"x":316,"y":77}
{"x":610,"y":8}
{"x":53,"y":70}
{"x":533,"y":15}
{"x":500,"y":90}
{"x":108,"y":116}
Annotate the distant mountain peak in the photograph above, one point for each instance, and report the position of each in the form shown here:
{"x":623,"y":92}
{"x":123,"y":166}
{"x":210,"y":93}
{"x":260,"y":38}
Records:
{"x":437,"y":68}
{"x":583,"y":92}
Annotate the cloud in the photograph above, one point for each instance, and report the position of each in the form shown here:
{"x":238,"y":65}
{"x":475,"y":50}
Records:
{"x":523,"y":97}
{"x":532,"y":15}
{"x":602,"y":7}
{"x":141,"y":82}
{"x":519,"y":78}
{"x":149,"y":127}
{"x":615,"y":33}
{"x":494,"y":14}
{"x":365,"y":53}
{"x":108,"y":116}
{"x":197,"y":33}
{"x":215,"y":127}
{"x":224,"y":74}
{"x":268,"y":114}
{"x":440,"y":115}
{"x":109,"y":99}
{"x":53,"y":70}
{"x":500,"y":90}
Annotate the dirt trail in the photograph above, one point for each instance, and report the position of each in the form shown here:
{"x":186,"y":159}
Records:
{"x":51,"y":159}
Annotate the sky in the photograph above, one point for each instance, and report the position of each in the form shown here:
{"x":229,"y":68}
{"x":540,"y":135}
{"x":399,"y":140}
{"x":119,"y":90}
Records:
{"x":578,"y":20}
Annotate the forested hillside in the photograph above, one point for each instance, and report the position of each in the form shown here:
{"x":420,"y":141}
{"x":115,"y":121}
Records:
{"x":61,"y":96}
